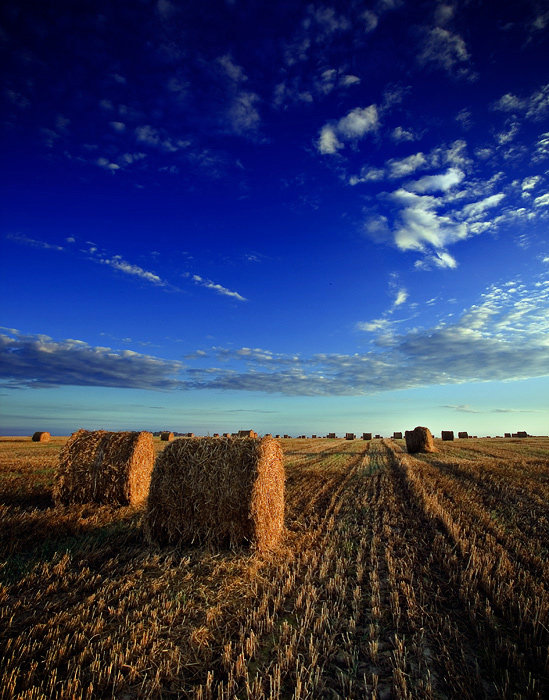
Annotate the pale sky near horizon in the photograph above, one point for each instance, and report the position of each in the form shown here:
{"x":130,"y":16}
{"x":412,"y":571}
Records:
{"x":293,"y":217}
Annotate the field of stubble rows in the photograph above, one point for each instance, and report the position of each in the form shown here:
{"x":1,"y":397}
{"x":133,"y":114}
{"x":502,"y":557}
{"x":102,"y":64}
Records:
{"x":398,"y":577}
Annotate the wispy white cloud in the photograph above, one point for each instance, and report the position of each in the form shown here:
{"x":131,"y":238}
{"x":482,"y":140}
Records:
{"x":208,"y":284}
{"x":118,"y":263}
{"x":443,"y":49}
{"x":352,"y":127}
{"x":33,"y":242}
{"x":534,"y":106}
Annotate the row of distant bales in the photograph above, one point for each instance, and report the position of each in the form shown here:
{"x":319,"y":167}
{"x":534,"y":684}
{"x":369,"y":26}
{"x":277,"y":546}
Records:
{"x":223,"y":491}
{"x":169,"y":436}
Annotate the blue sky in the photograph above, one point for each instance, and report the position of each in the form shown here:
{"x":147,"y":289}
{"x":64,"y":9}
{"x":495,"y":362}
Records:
{"x":296,"y":217}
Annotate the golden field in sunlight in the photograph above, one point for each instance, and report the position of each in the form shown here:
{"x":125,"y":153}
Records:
{"x":398,"y":576}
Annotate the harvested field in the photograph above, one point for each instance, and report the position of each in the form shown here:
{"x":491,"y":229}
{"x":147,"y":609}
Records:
{"x":399,"y":576}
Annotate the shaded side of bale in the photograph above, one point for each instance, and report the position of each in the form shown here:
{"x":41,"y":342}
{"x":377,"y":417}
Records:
{"x":447,"y":434}
{"x":41,"y":437}
{"x":463,"y":434}
{"x":507,"y":435}
{"x":419,"y":439}
{"x":103,"y":467}
{"x":350,"y":436}
{"x":397,"y":436}
{"x":166,"y":435}
{"x":331,"y":436}
{"x":366,"y":436}
{"x":522,"y":433}
{"x":221,"y":492}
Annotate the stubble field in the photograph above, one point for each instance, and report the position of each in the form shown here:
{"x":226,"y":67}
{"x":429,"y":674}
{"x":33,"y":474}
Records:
{"x":399,"y":576}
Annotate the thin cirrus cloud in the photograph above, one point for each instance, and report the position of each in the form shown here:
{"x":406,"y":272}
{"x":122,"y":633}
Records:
{"x":208,"y":284}
{"x":115,"y":262}
{"x":503,"y":337}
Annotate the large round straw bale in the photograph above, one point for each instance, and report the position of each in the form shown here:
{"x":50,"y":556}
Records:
{"x":218,"y":491}
{"x":41,"y":437}
{"x":419,"y":440}
{"x":103,"y":467}
{"x":166,"y":435}
{"x":447,"y":434}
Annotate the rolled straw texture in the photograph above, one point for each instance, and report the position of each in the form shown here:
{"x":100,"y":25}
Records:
{"x":419,"y":439}
{"x":166,"y":435}
{"x":104,"y":467}
{"x":218,"y":491}
{"x":41,"y":437}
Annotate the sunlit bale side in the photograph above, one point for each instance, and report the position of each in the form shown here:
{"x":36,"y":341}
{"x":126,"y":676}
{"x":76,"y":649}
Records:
{"x":246,"y":434}
{"x":217,"y":491}
{"x":41,"y":437}
{"x":447,"y":434}
{"x":419,"y":439}
{"x":104,"y":467}
{"x":166,"y":435}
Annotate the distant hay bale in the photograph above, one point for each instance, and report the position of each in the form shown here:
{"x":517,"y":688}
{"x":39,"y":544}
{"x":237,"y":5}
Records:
{"x":507,"y":435}
{"x":463,"y":434}
{"x":102,"y":467}
{"x":226,"y":435}
{"x":216,"y":434}
{"x":378,"y":437}
{"x":366,"y":436}
{"x":350,"y":436}
{"x":331,"y":436}
{"x":286,"y":436}
{"x":246,"y":434}
{"x":166,"y":435}
{"x":419,"y":440}
{"x":313,"y":437}
{"x":189,"y":435}
{"x":397,"y":436}
{"x":41,"y":437}
{"x":220,"y":492}
{"x":522,"y":434}
{"x":447,"y":434}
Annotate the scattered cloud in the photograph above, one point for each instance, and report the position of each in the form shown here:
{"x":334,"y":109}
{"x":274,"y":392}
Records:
{"x":352,"y":127}
{"x":535,"y":106}
{"x":37,"y":361}
{"x":208,"y":284}
{"x":501,"y":338}
{"x":118,"y":263}
{"x":441,"y":48}
{"x":32,"y":242}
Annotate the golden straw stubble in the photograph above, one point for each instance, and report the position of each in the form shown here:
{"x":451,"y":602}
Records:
{"x":220,"y":491}
{"x":105,"y":467}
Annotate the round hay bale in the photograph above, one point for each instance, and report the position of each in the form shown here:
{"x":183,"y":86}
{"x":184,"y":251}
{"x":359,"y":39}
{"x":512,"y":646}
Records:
{"x":419,"y":440}
{"x":463,"y":434}
{"x":397,"y":436}
{"x":366,"y":436}
{"x":102,"y":467}
{"x":166,"y":435}
{"x":447,"y":434}
{"x":41,"y":437}
{"x":220,"y":491}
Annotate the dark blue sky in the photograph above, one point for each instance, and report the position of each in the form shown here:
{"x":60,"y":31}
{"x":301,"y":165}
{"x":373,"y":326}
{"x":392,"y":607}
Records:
{"x":242,"y":211}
